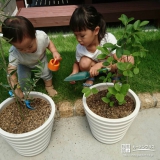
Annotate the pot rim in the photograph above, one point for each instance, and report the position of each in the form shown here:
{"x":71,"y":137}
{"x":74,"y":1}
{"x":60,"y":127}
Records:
{"x":133,"y":114}
{"x":27,"y":134}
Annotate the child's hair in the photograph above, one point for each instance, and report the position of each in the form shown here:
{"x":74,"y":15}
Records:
{"x":87,"y":17}
{"x":16,"y":28}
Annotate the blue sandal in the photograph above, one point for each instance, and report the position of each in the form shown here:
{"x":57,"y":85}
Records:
{"x":116,"y":79}
{"x":87,"y":84}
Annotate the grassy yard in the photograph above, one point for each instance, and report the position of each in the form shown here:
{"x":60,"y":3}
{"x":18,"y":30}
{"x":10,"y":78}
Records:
{"x":147,"y":81}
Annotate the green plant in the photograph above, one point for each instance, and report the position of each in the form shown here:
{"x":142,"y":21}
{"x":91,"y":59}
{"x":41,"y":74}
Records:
{"x":127,"y":46}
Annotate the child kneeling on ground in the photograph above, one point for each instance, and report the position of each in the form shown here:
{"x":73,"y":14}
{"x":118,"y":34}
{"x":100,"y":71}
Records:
{"x":28,"y":48}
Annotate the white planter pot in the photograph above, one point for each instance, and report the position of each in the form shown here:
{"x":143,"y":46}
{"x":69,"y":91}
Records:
{"x":107,"y":130}
{"x":33,"y":142}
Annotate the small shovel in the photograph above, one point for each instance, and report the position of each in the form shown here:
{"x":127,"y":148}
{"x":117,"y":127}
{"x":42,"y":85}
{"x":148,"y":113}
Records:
{"x":27,"y":102}
{"x":83,"y":75}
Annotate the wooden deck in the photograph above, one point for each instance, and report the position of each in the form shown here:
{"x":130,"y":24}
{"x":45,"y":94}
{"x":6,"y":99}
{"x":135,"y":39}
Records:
{"x":60,"y":15}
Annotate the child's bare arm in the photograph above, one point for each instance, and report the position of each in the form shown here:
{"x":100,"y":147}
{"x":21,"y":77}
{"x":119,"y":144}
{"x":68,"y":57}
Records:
{"x":54,"y":51}
{"x":75,"y":68}
{"x":13,"y":81}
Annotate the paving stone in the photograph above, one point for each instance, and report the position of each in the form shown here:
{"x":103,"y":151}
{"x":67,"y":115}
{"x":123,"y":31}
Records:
{"x":65,"y":109}
{"x":147,"y":101}
{"x":78,"y":108}
{"x":157,"y":97}
{"x":56,"y":112}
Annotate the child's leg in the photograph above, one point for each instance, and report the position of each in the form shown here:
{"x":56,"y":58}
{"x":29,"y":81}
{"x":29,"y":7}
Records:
{"x":49,"y":88}
{"x":85,"y":64}
{"x":47,"y":78}
{"x":23,"y":72}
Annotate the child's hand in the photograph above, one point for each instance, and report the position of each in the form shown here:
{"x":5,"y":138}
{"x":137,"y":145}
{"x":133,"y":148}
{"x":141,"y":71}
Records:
{"x":94,"y":70}
{"x":19,"y":93}
{"x":57,"y":56}
{"x":72,"y":82}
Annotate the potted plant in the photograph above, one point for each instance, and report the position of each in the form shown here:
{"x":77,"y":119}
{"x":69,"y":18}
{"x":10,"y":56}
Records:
{"x":111,"y":127}
{"x":35,"y":138}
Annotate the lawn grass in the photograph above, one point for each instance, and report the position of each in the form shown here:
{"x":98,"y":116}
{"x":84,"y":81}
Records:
{"x":148,"y":80}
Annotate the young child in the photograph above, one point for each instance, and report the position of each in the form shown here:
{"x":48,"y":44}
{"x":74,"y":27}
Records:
{"x":28,"y":48}
{"x":89,"y":27}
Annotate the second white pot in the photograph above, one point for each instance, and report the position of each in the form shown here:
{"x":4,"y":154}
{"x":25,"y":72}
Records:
{"x":107,"y":130}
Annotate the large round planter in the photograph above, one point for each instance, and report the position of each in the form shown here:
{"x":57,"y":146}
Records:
{"x":107,"y":130}
{"x":33,"y":142}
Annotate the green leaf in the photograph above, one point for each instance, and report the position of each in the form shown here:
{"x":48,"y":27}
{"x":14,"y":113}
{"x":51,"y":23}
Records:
{"x":87,"y":94}
{"x":126,"y":52}
{"x":142,"y":54}
{"x":111,"y":104}
{"x":112,"y":90}
{"x":136,"y":70}
{"x":4,"y":85}
{"x":124,"y":89}
{"x":119,"y":52}
{"x":136,"y":24}
{"x":117,"y":86}
{"x":124,"y":19}
{"x":129,"y":28}
{"x":103,"y":50}
{"x":106,"y":63}
{"x":143,"y":23}
{"x":105,"y":99}
{"x":108,"y":95}
{"x":121,"y":41}
{"x":129,"y":65}
{"x":120,"y":103}
{"x":120,"y":97}
{"x":124,"y":66}
{"x":121,"y":66}
{"x":86,"y":89}
{"x":102,"y":78}
{"x":101,"y":56}
{"x":128,"y":73}
{"x":110,"y":59}
{"x":109,"y":45}
{"x":39,"y":67}
{"x":130,"y":19}
{"x":94,"y":90}
{"x":136,"y":54}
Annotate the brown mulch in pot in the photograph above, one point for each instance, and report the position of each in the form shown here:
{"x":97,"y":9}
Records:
{"x":102,"y":109}
{"x":11,"y":118}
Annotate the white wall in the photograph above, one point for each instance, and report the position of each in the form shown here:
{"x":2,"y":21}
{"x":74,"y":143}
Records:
{"x":16,"y":10}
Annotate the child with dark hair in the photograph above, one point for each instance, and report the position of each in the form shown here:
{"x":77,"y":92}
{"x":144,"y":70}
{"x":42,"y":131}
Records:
{"x":89,"y":27}
{"x":28,"y":48}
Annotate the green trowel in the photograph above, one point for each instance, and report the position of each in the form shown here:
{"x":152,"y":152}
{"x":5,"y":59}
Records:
{"x":83,"y":75}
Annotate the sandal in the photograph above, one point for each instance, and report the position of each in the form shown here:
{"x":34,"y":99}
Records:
{"x":89,"y":84}
{"x":116,"y":79}
{"x":51,"y":92}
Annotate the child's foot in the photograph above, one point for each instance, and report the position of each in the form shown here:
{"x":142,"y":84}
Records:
{"x":116,"y":79}
{"x":51,"y":92}
{"x":89,"y":82}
